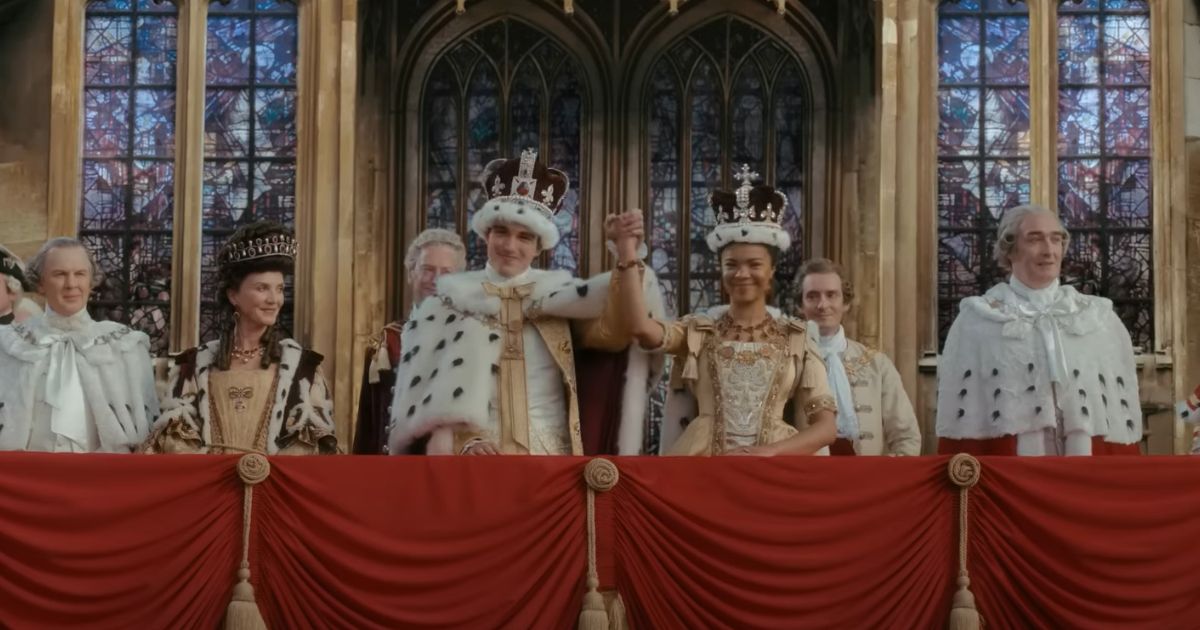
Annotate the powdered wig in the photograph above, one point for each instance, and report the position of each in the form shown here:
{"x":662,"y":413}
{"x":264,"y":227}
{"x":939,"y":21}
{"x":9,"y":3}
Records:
{"x":1010,"y":231}
{"x":435,"y":236}
{"x":824,"y":265}
{"x":37,"y":264}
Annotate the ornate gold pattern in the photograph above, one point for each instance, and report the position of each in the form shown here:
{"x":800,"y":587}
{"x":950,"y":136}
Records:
{"x":239,"y":396}
{"x":775,"y":342}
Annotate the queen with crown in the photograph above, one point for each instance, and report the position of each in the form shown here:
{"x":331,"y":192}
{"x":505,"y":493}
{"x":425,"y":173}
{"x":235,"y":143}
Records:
{"x":253,"y":388}
{"x":737,"y":365}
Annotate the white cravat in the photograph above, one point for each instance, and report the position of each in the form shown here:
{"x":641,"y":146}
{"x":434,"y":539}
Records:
{"x":832,"y":348}
{"x":64,"y":391}
{"x":1041,"y":306}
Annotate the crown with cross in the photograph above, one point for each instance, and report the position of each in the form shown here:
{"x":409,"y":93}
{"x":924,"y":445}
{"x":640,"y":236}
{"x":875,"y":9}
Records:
{"x":525,"y":180}
{"x":750,"y":214}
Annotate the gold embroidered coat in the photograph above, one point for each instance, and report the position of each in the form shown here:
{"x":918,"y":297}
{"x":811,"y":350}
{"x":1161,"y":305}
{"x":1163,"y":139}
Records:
{"x":886,"y":422}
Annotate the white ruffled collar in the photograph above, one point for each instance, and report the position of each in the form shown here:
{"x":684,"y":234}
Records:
{"x":1040,"y":298}
{"x":79,"y":321}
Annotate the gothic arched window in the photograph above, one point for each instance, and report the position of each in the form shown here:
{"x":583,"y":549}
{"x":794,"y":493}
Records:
{"x":249,"y":131}
{"x":983,"y":141}
{"x":502,"y":88}
{"x":726,"y":94}
{"x":128,"y":205}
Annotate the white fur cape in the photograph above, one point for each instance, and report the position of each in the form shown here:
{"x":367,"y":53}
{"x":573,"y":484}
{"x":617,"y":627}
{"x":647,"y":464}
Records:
{"x":115,"y":370}
{"x":447,"y":371}
{"x":993,"y":377}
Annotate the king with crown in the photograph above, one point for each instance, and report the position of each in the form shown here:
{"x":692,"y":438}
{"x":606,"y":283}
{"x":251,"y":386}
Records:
{"x":489,"y":363}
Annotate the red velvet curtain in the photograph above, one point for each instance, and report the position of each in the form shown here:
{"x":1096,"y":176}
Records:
{"x":437,"y":542}
{"x":785,"y":542}
{"x":1082,"y":542}
{"x":117,"y":541}
{"x":475,"y":542}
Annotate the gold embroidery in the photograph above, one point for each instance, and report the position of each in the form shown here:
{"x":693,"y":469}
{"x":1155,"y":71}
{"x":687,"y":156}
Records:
{"x":774,"y":346}
{"x":820,"y":403}
{"x":239,"y":396}
{"x":855,"y":365}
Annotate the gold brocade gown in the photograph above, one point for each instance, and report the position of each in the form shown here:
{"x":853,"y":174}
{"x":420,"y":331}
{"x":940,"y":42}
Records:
{"x":741,"y":388}
{"x":240,"y":404}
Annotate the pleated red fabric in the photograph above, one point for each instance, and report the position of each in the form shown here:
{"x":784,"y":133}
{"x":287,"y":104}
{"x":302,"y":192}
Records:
{"x":1087,"y":542}
{"x":430,"y":542}
{"x":104,"y":541}
{"x":117,"y":541}
{"x":799,"y":542}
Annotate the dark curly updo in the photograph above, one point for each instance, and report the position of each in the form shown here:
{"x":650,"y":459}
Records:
{"x":254,"y":248}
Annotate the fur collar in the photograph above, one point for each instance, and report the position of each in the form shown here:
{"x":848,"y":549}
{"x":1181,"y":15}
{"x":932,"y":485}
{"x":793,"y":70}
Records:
{"x":289,"y":360}
{"x":553,"y":293}
{"x":1079,"y":314}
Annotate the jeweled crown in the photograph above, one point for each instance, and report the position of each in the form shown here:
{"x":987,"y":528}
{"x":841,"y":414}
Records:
{"x":748,"y":204}
{"x":270,"y":246}
{"x":526,"y":180}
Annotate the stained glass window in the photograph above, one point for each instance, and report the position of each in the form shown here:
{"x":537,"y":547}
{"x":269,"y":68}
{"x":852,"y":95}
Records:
{"x":127,"y":208}
{"x":983,"y":140}
{"x":249,"y":131}
{"x":501,"y":89}
{"x":1104,"y":155}
{"x":724,"y":95}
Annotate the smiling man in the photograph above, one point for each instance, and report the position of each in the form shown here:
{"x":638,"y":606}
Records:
{"x":488,"y":363}
{"x":69,"y":383}
{"x":874,"y":415}
{"x":1033,"y":367}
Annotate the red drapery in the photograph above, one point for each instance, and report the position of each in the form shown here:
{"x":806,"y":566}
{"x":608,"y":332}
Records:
{"x":476,"y":542}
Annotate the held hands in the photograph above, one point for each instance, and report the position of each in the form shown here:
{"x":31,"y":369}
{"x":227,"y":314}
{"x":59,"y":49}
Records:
{"x":626,"y":231}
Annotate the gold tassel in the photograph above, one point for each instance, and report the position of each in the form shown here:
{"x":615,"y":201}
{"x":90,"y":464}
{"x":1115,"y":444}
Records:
{"x":242,"y":612}
{"x":460,"y":7}
{"x":673,"y":7}
{"x":617,"y":619}
{"x":964,"y":472}
{"x":593,"y":615}
{"x":781,"y":6}
{"x":963,"y":615}
{"x":600,"y":475}
{"x":569,"y":7}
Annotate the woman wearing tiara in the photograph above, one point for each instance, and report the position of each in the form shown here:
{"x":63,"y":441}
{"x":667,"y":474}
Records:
{"x":739,"y":364}
{"x":252,"y":389}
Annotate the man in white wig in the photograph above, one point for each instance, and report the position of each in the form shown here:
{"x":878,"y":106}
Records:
{"x":489,"y":362}
{"x":69,"y":383}
{"x":1033,"y":367}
